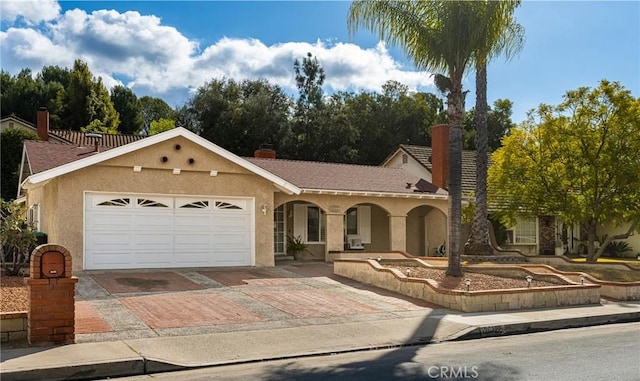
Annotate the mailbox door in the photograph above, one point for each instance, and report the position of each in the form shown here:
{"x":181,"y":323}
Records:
{"x":52,"y":263}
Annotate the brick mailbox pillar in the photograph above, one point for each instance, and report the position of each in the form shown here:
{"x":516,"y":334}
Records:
{"x":51,"y":315}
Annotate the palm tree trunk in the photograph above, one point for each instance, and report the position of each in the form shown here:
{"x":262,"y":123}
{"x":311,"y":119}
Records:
{"x":455,"y":111}
{"x":478,"y":242}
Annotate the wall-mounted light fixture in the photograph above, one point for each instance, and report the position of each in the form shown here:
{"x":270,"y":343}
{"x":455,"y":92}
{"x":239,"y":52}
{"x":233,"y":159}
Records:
{"x":264,"y":209}
{"x":529,"y":280}
{"x":467,"y":282}
{"x":581,"y":279}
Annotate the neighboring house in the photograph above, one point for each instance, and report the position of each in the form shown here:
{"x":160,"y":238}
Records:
{"x":177,"y":200}
{"x":530,"y":235}
{"x":82,"y":141}
{"x":44,"y":133}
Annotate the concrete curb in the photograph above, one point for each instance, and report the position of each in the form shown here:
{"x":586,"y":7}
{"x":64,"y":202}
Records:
{"x":543,"y":326}
{"x":141,"y":365}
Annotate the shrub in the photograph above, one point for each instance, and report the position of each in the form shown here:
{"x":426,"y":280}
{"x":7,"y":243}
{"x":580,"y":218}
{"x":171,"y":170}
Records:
{"x":16,"y":236}
{"x":617,"y":249}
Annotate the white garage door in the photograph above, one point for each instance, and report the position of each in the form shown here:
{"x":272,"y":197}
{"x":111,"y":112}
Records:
{"x":152,"y":231}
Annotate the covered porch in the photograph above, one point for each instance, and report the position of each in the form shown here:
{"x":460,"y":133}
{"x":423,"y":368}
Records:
{"x":332,"y":223}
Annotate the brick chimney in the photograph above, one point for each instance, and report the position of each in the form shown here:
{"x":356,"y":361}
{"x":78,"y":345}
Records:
{"x":265,"y":152}
{"x":440,"y":155}
{"x":42,"y":123}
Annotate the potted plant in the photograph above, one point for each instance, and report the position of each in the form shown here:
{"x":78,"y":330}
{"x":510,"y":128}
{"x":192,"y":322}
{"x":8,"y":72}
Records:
{"x":296,"y":246}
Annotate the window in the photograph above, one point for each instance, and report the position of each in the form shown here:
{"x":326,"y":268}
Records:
{"x":309,"y":223}
{"x":316,"y":221}
{"x":524,"y":233}
{"x":115,"y":202}
{"x":33,"y":216}
{"x":357,"y":223}
{"x":352,"y":221}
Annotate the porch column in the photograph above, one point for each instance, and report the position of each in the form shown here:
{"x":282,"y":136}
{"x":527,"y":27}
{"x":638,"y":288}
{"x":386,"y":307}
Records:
{"x":398,"y":232}
{"x":335,"y":234}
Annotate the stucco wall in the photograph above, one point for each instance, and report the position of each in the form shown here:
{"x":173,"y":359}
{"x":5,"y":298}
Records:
{"x":62,"y":202}
{"x":633,"y":241}
{"x":387,"y":235}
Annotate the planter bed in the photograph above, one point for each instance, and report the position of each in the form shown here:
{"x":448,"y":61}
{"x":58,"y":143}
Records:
{"x":547,"y":291}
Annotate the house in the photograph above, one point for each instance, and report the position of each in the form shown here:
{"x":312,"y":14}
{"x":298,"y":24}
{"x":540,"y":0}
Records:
{"x":83,"y":141}
{"x":530,"y":235}
{"x":44,"y":133}
{"x":177,"y":200}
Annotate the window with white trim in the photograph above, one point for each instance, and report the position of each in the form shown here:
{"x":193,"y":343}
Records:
{"x":33,"y":216}
{"x":525,"y":232}
{"x":351,"y":223}
{"x":309,"y":223}
{"x":316,"y":224}
{"x":358,"y":223}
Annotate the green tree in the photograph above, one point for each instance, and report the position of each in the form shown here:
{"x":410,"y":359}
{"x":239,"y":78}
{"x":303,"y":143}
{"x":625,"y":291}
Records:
{"x":162,"y":125}
{"x":129,"y":107}
{"x":84,"y":100}
{"x":580,"y":160}
{"x":12,"y":140}
{"x":499,"y":124}
{"x":309,"y":112}
{"x":155,"y":109}
{"x":442,"y":36}
{"x":500,"y":34}
{"x":237,"y":116}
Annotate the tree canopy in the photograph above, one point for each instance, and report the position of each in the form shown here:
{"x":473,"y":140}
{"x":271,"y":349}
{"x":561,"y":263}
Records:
{"x":10,"y":158}
{"x":579,"y":159}
{"x":129,"y":108}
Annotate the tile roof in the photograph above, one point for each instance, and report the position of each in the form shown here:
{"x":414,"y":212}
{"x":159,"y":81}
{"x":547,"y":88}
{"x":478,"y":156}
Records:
{"x":43,"y":156}
{"x":108,"y":140}
{"x":423,"y":154}
{"x":309,"y":175}
{"x":339,"y":177}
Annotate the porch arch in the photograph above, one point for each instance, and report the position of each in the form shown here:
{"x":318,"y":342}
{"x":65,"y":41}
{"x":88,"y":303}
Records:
{"x":426,"y":230}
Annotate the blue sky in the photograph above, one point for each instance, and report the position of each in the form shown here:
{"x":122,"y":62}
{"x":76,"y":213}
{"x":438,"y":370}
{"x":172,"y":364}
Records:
{"x":168,"y":49}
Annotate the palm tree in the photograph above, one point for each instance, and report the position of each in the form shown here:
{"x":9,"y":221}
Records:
{"x":440,"y":36}
{"x":501,"y":34}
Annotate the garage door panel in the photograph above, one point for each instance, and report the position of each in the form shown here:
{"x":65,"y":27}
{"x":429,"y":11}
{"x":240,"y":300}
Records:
{"x":193,"y":240}
{"x":153,"y":256}
{"x":191,"y":222}
{"x":108,"y":221}
{"x":181,"y":232}
{"x":156,"y":221}
{"x":228,"y":222}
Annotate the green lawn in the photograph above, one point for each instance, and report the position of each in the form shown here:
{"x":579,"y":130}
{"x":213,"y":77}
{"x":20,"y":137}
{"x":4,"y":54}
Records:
{"x":603,"y":273}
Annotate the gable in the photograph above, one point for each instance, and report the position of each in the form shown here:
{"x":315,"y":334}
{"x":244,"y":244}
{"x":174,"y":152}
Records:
{"x":420,"y":156}
{"x":170,"y":139}
{"x":177,"y":152}
{"x":400,"y":159}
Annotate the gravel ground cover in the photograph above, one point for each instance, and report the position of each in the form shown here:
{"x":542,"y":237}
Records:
{"x":478,"y":281}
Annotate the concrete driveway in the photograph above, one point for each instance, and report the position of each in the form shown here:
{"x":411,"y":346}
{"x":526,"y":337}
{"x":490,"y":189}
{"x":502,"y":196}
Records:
{"x":131,"y":304}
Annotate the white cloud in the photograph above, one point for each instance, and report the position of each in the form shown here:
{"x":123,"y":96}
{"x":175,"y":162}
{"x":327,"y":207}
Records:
{"x":156,"y":59}
{"x":33,"y":12}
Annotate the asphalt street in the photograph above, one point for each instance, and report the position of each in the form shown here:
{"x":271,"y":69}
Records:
{"x":610,"y":352}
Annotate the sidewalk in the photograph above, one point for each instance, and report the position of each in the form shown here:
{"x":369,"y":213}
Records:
{"x":270,"y":339}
